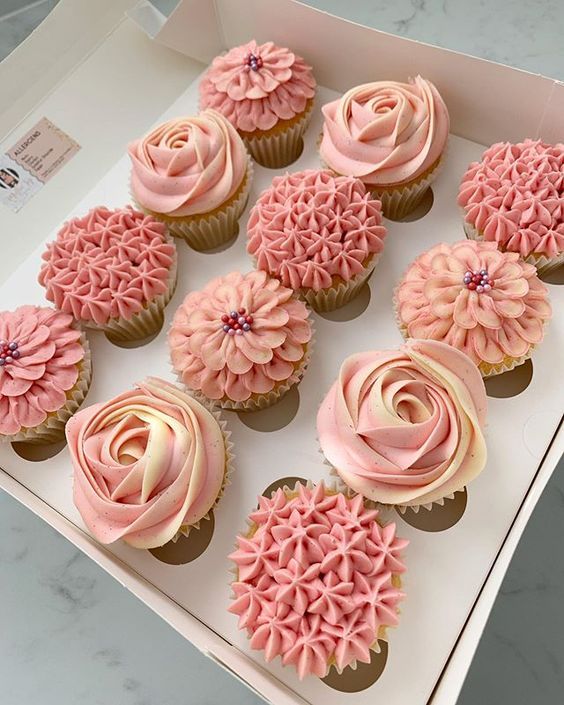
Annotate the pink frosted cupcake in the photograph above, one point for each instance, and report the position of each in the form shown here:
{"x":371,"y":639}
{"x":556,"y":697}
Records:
{"x":267,"y":93}
{"x":45,"y":373}
{"x":487,"y":303}
{"x":515,"y":197}
{"x":112,"y":270}
{"x":317,"y":579}
{"x":320,"y":234}
{"x":392,"y":136}
{"x":242,"y":341}
{"x":149,"y":464}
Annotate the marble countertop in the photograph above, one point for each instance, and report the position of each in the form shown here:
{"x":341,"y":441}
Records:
{"x":71,"y":635}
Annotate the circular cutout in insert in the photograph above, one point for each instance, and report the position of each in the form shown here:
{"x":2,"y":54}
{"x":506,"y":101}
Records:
{"x":36,"y":452}
{"x":131,"y":344}
{"x":352,"y":310}
{"x":512,"y":383}
{"x":187,"y":548}
{"x":281,"y":483}
{"x":553,"y":276}
{"x":420,"y":210}
{"x":274,"y":417}
{"x":439,"y":517}
{"x":363,"y":676}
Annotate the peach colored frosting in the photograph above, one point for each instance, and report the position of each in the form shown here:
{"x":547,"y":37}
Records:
{"x":515,"y":197}
{"x":211,"y":355}
{"x":433,"y":301}
{"x":385,"y":132}
{"x":107,"y":264}
{"x":255,"y":95}
{"x":310,"y":226}
{"x":314,"y":580}
{"x":145,"y":463}
{"x":188,"y":166}
{"x":405,"y":426}
{"x":40,"y":351}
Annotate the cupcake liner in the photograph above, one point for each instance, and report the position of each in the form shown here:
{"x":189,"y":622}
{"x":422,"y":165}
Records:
{"x":340,"y":293}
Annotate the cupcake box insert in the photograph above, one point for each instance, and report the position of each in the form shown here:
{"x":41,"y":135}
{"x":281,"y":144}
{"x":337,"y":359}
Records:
{"x":129,"y":83}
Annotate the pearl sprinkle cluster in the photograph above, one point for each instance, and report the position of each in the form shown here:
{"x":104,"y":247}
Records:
{"x":8,"y":352}
{"x":252,"y":62}
{"x":236,"y":322}
{"x":478,"y":281}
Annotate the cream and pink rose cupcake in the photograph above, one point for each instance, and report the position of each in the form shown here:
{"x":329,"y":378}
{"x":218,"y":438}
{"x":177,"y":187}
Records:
{"x":45,"y":373}
{"x":489,"y":304}
{"x":320,"y":234}
{"x":267,"y":93}
{"x":514,"y":197}
{"x":392,"y":136}
{"x":242,"y":341}
{"x":405,"y":427}
{"x":317,"y":579}
{"x":112,"y":270}
{"x":194,"y":174}
{"x":149,"y":464}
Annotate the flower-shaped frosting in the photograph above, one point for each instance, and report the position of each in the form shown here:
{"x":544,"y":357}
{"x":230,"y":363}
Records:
{"x":107,"y":264}
{"x":146,"y":463}
{"x":188,"y":165}
{"x":311,"y":226}
{"x":440,"y":298}
{"x":40,"y":353}
{"x":515,"y":197}
{"x":242,"y":334}
{"x":385,"y":133}
{"x":256,"y":85}
{"x":402,"y":427}
{"x":316,"y":587}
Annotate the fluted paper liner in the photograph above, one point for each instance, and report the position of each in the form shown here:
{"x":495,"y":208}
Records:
{"x":342,"y":293}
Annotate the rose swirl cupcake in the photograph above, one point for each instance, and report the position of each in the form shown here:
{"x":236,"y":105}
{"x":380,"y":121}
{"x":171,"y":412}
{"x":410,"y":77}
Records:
{"x":320,"y":234}
{"x":267,"y":93}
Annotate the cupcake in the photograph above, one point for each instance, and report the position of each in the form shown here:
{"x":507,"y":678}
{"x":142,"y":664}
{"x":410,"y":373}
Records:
{"x":112,"y":270}
{"x":149,"y":464}
{"x":487,"y":303}
{"x":194,"y":174}
{"x":45,"y":373}
{"x":317,"y":579}
{"x":515,"y":197}
{"x":320,"y":234}
{"x":392,"y":136}
{"x":267,"y":93}
{"x":405,"y":427}
{"x":243,"y":341}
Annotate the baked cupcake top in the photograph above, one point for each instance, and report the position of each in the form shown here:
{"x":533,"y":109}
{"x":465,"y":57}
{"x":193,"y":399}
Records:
{"x":146,"y":463}
{"x":40,"y":354}
{"x":385,"y":133}
{"x":256,"y":85}
{"x":107,"y":264}
{"x":241,"y":334}
{"x":310,"y":227}
{"x":317,"y":579}
{"x":515,"y":197}
{"x":489,"y":304}
{"x":188,"y":166}
{"x":405,"y":426}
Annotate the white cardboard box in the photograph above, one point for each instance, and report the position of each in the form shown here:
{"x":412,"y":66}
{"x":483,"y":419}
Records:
{"x":107,"y":82}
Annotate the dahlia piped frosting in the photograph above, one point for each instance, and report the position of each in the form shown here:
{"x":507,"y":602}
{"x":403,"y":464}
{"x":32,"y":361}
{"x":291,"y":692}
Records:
{"x":147,"y":464}
{"x":405,"y":426}
{"x":256,"y":85}
{"x":487,"y":303}
{"x":188,"y":166}
{"x":40,"y":355}
{"x":514,"y":197}
{"x":385,"y":132}
{"x":317,"y":579}
{"x":107,"y":264}
{"x":311,"y":227}
{"x":242,"y":335}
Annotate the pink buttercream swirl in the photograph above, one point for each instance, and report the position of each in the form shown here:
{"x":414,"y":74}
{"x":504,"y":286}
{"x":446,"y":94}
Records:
{"x":311,"y":226}
{"x":35,"y":381}
{"x":236,"y":366}
{"x":107,"y":264}
{"x":316,"y":579}
{"x":188,"y":165}
{"x":257,"y":98}
{"x":515,"y":197}
{"x":385,"y":133}
{"x":434,"y":302}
